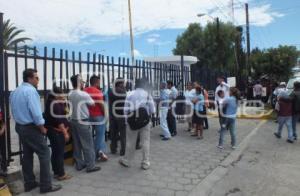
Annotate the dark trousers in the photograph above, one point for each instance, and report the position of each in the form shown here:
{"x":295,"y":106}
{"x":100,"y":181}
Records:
{"x":117,"y":129}
{"x":57,"y":142}
{"x":2,"y":154}
{"x":33,"y":141}
{"x":205,"y":120}
{"x":171,"y":120}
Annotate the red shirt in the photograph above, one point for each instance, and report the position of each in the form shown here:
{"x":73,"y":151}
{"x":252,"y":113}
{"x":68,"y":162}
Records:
{"x":97,"y":96}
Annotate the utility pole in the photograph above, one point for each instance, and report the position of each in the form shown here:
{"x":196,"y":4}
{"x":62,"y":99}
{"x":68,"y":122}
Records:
{"x":248,"y":67}
{"x":131,"y":33}
{"x":218,"y":44}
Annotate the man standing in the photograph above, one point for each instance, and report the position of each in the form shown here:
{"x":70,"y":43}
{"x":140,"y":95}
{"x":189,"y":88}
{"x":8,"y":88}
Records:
{"x":116,"y":118}
{"x":139,"y":98}
{"x":81,"y":130}
{"x":189,"y":95}
{"x":257,"y":92}
{"x":171,"y":116}
{"x":224,"y":87}
{"x":295,"y":96}
{"x":163,"y":112}
{"x":97,"y":117}
{"x":27,"y":112}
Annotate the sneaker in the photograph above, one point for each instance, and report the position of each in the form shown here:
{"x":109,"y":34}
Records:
{"x":93,"y":169}
{"x":277,"y":135}
{"x":102,"y":157}
{"x":220,"y":147}
{"x":145,"y":166}
{"x":28,"y":188}
{"x":289,"y":141}
{"x":165,"y":138}
{"x":233,"y":147}
{"x":52,"y":189}
{"x":121,"y":162}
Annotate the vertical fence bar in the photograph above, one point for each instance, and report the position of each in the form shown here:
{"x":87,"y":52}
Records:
{"x":53,"y":67}
{"x":73,"y":63}
{"x":7,"y":136}
{"x":2,"y":101}
{"x":61,"y":68}
{"x":108,"y":74}
{"x":25,"y":58}
{"x":99,"y":63}
{"x":143,"y":69}
{"x":67,"y":70}
{"x":34,"y":57}
{"x":103,"y":78}
{"x":113,"y":69}
{"x":88,"y":69}
{"x":80,"y":65}
{"x":16,"y":65}
{"x":119,"y":67}
{"x":45,"y":73}
{"x":94,"y":64}
{"x":123,"y":68}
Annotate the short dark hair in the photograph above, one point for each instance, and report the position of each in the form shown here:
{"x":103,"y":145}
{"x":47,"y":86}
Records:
{"x":169,"y":82}
{"x":141,"y":83}
{"x":220,"y":92}
{"x":94,"y":79}
{"x":28,"y":73}
{"x":119,"y":81}
{"x":74,"y":80}
{"x":297,"y":85}
{"x":221,"y":77}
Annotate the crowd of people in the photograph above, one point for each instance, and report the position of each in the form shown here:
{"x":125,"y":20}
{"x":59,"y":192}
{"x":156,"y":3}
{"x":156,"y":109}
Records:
{"x":82,"y":112}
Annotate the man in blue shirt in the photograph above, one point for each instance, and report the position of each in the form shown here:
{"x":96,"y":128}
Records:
{"x":27,"y":112}
{"x":163,"y":111}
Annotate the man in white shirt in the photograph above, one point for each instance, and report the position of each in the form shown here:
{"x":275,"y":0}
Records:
{"x":171,"y":116}
{"x":257,"y":92}
{"x":81,"y":130}
{"x":189,"y":95}
{"x":136,"y":99}
{"x":223,"y":86}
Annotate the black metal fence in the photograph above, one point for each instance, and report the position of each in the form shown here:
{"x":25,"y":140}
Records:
{"x":57,"y":66}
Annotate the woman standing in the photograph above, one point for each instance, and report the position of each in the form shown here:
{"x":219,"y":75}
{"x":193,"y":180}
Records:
{"x":199,"y":113}
{"x":57,"y":124}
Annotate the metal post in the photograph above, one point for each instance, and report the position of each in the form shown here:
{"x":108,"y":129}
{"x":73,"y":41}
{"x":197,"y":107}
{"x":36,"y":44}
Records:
{"x":131,"y":32}
{"x":1,"y":62}
{"x":248,"y":42}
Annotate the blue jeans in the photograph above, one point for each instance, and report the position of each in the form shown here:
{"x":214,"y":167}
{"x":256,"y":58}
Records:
{"x":295,"y":119}
{"x":99,"y":127}
{"x":285,"y":120}
{"x":230,"y":124}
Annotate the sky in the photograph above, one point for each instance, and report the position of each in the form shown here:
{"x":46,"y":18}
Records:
{"x":102,"y":26}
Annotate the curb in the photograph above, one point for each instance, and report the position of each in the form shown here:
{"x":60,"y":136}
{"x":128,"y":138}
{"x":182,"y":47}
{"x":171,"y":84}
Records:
{"x":204,"y":187}
{"x":4,"y":191}
{"x":265,"y":116}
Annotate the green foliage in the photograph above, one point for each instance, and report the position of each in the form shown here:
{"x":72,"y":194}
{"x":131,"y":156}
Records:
{"x":212,"y":44}
{"x":276,"y":63}
{"x":11,"y":36}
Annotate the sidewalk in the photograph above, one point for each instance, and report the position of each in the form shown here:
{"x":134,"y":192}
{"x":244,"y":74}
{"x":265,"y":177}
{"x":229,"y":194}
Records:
{"x":177,"y":166}
{"x":268,"y":166}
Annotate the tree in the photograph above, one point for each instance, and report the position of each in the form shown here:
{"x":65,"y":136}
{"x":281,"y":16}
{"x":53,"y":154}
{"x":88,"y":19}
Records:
{"x":214,"y":45}
{"x":11,"y":36}
{"x":276,"y":63}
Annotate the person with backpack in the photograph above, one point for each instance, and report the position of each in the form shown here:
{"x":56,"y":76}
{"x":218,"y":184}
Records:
{"x":139,"y":106}
{"x":171,"y":112}
{"x":295,"y":96}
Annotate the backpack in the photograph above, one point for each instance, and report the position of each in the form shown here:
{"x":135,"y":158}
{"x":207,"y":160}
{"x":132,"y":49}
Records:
{"x":138,"y":118}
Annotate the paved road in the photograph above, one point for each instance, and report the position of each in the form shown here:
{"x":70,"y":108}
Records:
{"x":177,"y":166}
{"x":269,"y":166}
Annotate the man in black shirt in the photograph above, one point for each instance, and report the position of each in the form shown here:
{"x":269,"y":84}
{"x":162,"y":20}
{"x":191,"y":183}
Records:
{"x":116,"y":97}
